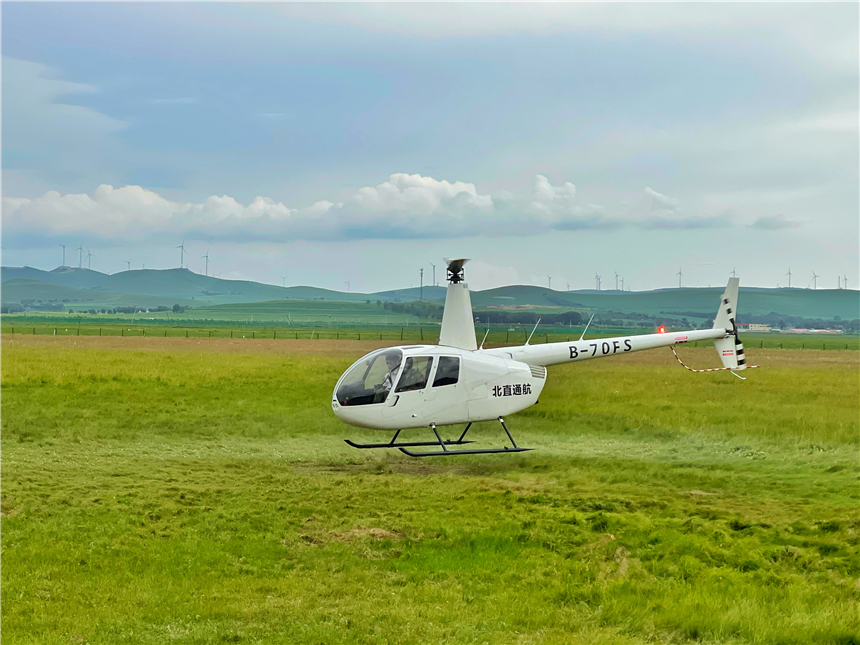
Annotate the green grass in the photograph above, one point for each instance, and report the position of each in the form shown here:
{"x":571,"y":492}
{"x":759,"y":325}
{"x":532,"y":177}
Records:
{"x":159,"y":493}
{"x":414,"y":331}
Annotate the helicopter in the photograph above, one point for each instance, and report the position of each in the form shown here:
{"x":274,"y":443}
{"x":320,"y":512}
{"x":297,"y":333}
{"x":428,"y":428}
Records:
{"x":458,"y":382}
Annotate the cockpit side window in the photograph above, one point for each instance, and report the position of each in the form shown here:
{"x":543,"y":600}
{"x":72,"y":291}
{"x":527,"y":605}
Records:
{"x":448,"y":371}
{"x":370,"y":380}
{"x":416,"y":370}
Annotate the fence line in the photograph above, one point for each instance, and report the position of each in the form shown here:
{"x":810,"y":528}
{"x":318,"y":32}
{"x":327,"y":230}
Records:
{"x":417,"y":333}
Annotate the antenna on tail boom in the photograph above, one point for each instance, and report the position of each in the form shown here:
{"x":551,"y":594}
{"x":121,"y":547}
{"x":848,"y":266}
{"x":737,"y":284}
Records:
{"x":533,"y":331}
{"x":586,"y":327}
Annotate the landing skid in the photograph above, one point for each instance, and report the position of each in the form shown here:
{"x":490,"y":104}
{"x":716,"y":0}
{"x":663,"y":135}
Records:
{"x":446,"y":453}
{"x":413,"y":444}
{"x":443,"y":444}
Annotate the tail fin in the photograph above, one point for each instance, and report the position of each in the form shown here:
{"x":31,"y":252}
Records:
{"x":730,"y":349}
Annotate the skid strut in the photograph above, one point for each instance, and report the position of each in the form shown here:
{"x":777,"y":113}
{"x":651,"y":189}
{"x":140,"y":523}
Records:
{"x":477,"y":451}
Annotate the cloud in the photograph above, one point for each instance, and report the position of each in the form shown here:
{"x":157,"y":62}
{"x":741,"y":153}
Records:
{"x":719,"y":221}
{"x":660,"y":202}
{"x":50,"y":134}
{"x":774,"y":223}
{"x":666,"y":214}
{"x":406,"y":206}
{"x":846,"y":122}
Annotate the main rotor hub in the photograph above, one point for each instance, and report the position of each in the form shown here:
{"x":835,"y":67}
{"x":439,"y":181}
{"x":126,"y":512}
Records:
{"x":455,"y":270}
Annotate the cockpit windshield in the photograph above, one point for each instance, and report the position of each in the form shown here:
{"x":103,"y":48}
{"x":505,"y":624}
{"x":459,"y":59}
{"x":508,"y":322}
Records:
{"x":371,"y":379}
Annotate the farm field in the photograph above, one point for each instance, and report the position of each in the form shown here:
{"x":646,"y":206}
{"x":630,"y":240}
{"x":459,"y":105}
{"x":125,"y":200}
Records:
{"x":197,"y":490}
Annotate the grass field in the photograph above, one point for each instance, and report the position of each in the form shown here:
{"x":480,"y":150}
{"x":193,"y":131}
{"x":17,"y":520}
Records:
{"x":283,"y":313}
{"x":414,"y":332}
{"x":197,"y":491}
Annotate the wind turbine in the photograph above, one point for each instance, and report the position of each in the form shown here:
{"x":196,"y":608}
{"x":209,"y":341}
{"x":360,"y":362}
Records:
{"x":89,"y":262}
{"x":348,"y":283}
{"x":815,"y":277}
{"x":622,"y":283}
{"x":181,"y":253}
{"x":549,"y":278}
{"x":616,"y":279}
{"x":568,"y":286}
{"x":597,"y":280}
{"x":64,"y":254}
{"x":680,"y":275}
{"x":207,"y":261}
{"x":128,"y":264}
{"x":734,"y":275}
{"x":845,"y":281}
{"x":434,"y":272}
{"x":789,"y":277}
{"x":80,"y":256}
{"x":283,"y":281}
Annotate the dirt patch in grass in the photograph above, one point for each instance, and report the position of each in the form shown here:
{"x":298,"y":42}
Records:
{"x":8,"y":508}
{"x":362,"y":532}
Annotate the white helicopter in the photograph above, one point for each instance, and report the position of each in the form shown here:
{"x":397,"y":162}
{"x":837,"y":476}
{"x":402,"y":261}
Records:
{"x":456,"y":382}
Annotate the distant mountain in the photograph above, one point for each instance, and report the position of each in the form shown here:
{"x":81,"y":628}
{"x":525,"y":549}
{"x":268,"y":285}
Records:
{"x":413,"y":293}
{"x":803,"y":303}
{"x":20,"y":289}
{"x":178,"y":283}
{"x":152,"y":287}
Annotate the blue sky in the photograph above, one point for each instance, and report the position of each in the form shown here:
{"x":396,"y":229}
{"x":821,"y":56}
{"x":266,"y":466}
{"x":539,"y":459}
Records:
{"x":333,"y":142}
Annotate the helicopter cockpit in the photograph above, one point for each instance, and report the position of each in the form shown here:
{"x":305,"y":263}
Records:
{"x":371,"y":379}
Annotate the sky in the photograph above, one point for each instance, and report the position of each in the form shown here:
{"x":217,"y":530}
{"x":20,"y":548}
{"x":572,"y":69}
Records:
{"x":551,"y":143}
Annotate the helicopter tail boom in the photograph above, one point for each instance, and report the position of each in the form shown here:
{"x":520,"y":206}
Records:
{"x":568,"y":352}
{"x":724,"y":334}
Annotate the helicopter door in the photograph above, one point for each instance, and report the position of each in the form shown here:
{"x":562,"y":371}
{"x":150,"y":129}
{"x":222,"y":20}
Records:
{"x":446,"y":399}
{"x":407,"y":399}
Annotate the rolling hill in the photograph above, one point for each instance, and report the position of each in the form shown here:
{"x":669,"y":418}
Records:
{"x":803,"y":303}
{"x":184,"y":284}
{"x":20,"y":289}
{"x":153,"y":287}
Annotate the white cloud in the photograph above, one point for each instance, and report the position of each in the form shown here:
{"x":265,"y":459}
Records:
{"x":846,"y":122}
{"x":666,"y":213}
{"x":403,"y":207}
{"x":774,"y":223}
{"x":660,"y":202}
{"x":825,"y":28}
{"x":481,"y":275}
{"x":552,"y":201}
